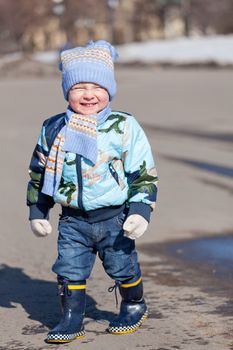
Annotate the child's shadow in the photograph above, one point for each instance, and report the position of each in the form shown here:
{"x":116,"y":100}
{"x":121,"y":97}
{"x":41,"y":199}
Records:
{"x":38,"y":298}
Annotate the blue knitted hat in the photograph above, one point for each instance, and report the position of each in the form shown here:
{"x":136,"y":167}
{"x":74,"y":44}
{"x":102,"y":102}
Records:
{"x":93,"y":63}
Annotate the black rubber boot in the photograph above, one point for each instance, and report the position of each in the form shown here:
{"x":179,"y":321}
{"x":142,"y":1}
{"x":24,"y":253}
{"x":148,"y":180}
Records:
{"x":133,"y":310}
{"x":73,"y":301}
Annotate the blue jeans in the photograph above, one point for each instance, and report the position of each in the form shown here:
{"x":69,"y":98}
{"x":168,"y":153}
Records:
{"x":79,"y":241}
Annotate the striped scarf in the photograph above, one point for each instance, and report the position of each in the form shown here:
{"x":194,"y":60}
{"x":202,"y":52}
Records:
{"x":79,"y":136}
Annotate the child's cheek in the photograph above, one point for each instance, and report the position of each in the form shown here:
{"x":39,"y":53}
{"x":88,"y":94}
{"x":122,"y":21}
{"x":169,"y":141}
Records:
{"x":73,"y":101}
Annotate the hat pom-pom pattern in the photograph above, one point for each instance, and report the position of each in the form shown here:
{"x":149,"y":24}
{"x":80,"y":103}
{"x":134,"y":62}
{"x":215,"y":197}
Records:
{"x":106,"y":44}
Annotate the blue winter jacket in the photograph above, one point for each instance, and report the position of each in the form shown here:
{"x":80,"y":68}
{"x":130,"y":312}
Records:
{"x":123,"y":174}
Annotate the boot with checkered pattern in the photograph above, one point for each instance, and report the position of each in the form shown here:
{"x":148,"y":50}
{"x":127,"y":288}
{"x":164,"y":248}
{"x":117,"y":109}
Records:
{"x":133,"y":310}
{"x":73,"y":300}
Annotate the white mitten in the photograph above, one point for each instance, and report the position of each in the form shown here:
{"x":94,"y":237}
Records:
{"x":41,"y":227}
{"x":134,"y":226}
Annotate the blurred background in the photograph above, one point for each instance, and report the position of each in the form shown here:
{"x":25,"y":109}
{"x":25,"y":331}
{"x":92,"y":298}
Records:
{"x":47,"y":26}
{"x":175,"y":76}
{"x":182,"y":32}
{"x":39,"y":25}
{"x":164,"y":32}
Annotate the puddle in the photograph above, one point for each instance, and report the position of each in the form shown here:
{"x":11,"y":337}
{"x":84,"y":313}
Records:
{"x":206,"y":262}
{"x":215,"y":253}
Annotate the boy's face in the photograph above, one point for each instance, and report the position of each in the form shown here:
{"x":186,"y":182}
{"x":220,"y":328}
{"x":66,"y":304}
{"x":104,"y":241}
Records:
{"x":88,"y":98}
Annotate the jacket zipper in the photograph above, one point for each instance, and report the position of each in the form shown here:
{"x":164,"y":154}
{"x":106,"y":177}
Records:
{"x":80,"y":181}
{"x":113,"y":173}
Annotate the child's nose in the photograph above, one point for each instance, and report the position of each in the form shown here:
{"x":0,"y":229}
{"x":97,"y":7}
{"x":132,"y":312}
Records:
{"x":88,"y":94}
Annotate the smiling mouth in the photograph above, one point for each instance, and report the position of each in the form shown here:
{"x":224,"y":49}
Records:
{"x":88,"y":104}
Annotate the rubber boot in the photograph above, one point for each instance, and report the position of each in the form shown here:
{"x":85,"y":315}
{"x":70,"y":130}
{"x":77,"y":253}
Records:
{"x":133,"y":310}
{"x":73,"y":301}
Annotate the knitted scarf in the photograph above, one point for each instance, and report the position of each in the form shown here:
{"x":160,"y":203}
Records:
{"x":79,"y":136}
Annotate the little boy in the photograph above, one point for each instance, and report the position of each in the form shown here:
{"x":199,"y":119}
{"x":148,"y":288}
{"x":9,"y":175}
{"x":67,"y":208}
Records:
{"x":97,"y":164}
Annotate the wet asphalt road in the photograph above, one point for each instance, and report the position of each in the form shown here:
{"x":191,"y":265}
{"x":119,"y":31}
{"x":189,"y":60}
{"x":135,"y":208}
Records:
{"x":186,"y":255}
